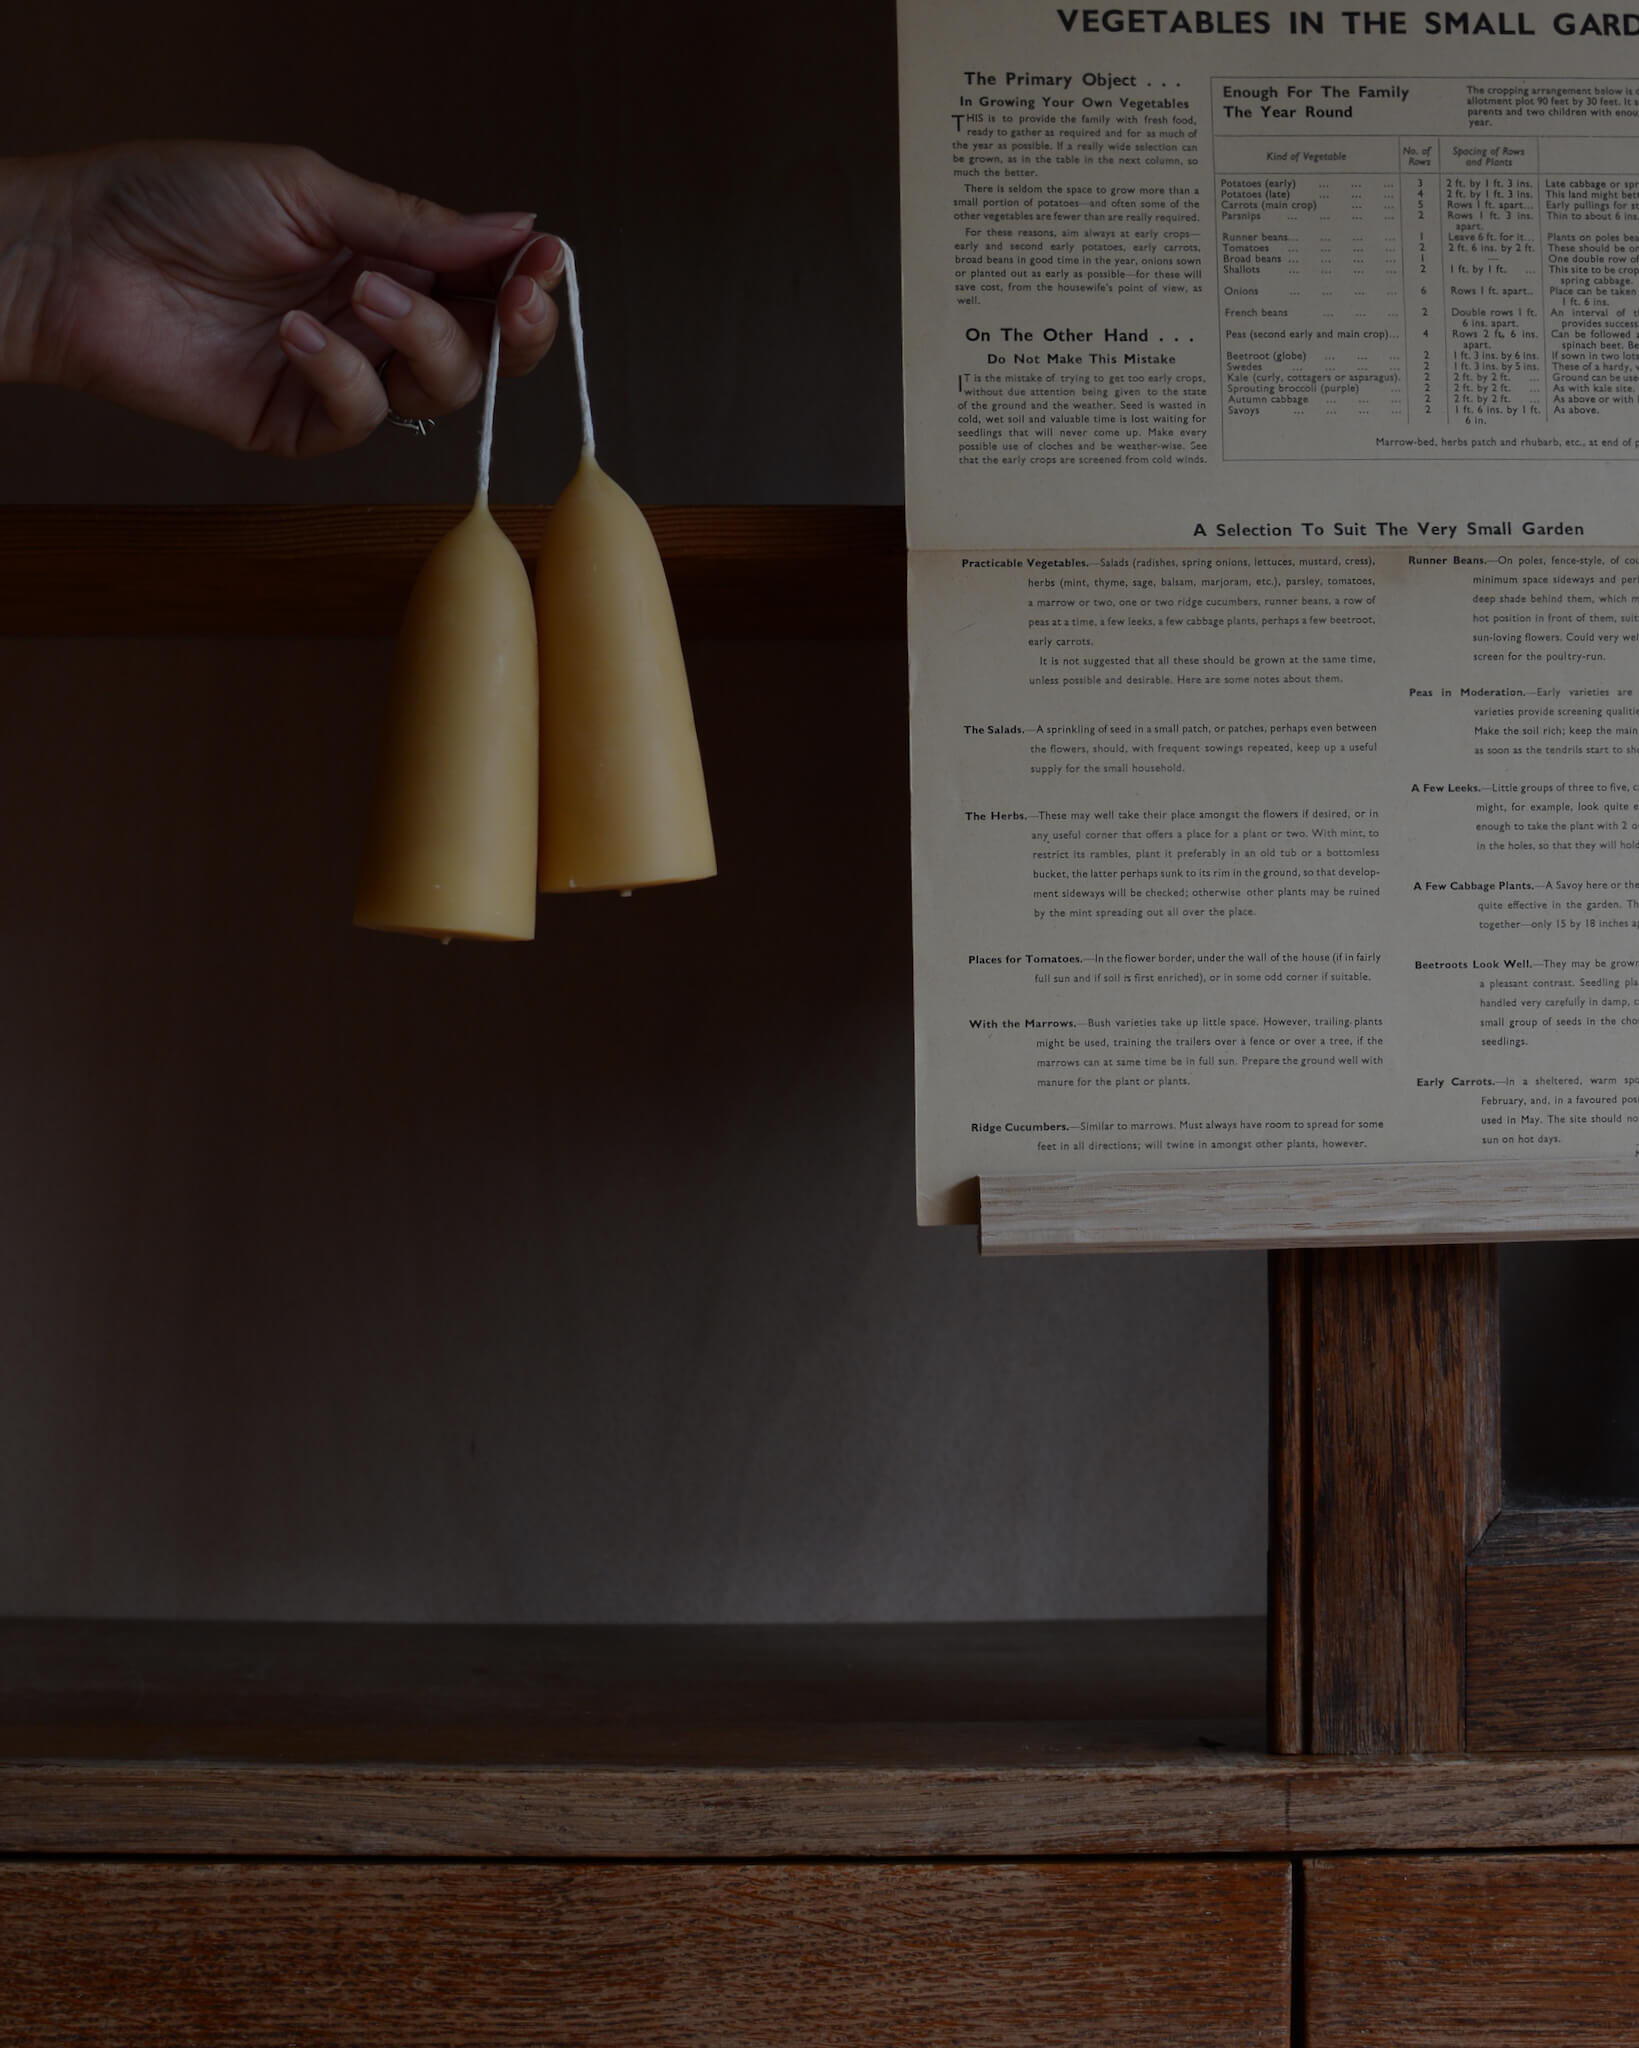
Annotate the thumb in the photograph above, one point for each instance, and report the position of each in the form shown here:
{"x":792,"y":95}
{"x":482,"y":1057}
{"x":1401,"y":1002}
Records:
{"x":380,"y":222}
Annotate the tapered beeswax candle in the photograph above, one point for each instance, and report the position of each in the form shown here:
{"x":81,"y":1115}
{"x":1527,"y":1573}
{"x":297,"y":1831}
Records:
{"x":452,"y":843}
{"x":623,"y":799}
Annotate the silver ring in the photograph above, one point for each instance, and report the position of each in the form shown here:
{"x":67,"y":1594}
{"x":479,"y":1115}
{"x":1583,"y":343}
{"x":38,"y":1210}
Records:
{"x":398,"y":419}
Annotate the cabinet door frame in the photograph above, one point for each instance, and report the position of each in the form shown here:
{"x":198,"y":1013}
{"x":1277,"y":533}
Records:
{"x":1409,"y":1610}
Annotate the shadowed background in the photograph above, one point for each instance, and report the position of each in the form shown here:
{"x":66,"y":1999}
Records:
{"x":347,"y":1277}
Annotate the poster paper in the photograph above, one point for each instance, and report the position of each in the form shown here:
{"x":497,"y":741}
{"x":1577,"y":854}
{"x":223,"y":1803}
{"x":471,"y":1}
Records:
{"x":1272,"y":400}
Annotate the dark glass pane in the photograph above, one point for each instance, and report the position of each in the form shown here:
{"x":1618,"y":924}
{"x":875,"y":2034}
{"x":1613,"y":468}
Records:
{"x":1570,"y":1374}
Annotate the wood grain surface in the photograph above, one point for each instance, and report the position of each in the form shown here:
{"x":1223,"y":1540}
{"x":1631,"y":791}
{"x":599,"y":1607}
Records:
{"x":1375,"y":1357}
{"x":1445,"y":1952}
{"x":1024,"y":1791}
{"x":831,"y":572}
{"x":1290,"y":1537}
{"x":726,"y":1956}
{"x":1013,"y":1739}
{"x":139,"y":1678}
{"x":1259,"y":1208}
{"x":1482,"y":1406}
{"x":1560,"y":1536}
{"x":1392,"y":1333}
{"x":1553,"y":1652}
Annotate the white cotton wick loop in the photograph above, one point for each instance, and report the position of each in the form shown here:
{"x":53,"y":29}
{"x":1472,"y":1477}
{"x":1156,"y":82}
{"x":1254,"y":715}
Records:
{"x":491,"y":377}
{"x":577,"y":337}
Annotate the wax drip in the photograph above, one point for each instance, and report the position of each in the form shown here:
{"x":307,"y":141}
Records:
{"x":572,"y":282}
{"x":491,"y":377}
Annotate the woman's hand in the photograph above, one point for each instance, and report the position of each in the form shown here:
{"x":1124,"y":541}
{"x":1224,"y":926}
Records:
{"x":254,"y":291}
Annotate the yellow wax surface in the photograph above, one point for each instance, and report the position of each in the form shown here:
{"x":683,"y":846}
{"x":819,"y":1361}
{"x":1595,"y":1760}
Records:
{"x":452,"y":844}
{"x":623,"y":799}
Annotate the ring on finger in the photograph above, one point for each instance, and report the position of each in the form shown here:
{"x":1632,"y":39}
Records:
{"x":399,"y":419}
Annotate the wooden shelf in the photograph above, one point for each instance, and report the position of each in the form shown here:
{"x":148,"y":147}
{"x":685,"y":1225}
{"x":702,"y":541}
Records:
{"x":1257,"y":1208}
{"x":1017,"y":1739}
{"x":764,"y":572}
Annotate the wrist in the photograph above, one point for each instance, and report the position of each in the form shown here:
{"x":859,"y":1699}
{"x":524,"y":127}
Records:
{"x":34,"y":253}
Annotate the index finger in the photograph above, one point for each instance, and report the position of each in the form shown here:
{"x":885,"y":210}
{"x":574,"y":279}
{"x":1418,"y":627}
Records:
{"x":400,"y":226}
{"x":542,"y":260}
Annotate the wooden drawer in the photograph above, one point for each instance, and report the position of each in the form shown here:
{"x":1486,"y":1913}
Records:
{"x":1418,"y":1951}
{"x":644,"y":1954}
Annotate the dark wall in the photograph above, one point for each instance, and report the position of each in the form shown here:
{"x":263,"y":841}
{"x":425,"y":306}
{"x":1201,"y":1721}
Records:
{"x":354,"y":1276}
{"x":1570,"y":1377}
{"x":346,"y":1276}
{"x":727,"y":174}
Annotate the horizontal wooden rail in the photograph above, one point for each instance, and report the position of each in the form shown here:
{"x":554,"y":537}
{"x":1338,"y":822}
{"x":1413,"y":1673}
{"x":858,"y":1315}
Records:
{"x":1267,"y":1208}
{"x":1016,"y":1789}
{"x":738,"y":572}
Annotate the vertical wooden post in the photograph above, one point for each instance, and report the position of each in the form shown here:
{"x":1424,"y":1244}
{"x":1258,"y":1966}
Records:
{"x":1380,"y":1477}
{"x":1288,"y":1637}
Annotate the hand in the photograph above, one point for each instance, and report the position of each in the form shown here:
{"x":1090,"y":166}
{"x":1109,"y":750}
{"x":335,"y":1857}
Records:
{"x":252,"y":291}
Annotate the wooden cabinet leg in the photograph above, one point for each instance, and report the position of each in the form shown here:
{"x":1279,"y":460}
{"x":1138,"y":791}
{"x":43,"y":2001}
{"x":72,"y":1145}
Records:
{"x":1382,"y":1472}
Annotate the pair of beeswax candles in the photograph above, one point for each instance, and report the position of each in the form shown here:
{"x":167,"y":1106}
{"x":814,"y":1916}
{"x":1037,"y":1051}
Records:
{"x":550,"y":744}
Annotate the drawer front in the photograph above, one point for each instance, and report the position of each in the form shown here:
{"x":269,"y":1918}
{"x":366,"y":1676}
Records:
{"x":1502,"y":1950}
{"x":731,"y":1955}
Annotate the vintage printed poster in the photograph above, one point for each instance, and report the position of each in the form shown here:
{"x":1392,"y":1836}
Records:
{"x":1272,"y":412}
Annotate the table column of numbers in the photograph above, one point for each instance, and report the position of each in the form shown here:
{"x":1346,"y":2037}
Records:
{"x":1422,"y":244}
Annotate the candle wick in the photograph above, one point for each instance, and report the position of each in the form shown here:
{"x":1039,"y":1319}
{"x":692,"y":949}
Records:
{"x":491,"y":377}
{"x":577,"y":337}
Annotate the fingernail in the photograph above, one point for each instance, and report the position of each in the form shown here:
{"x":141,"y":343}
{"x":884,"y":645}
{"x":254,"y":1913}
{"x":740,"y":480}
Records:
{"x":302,"y":332}
{"x":381,"y":295}
{"x":517,"y":222}
{"x":552,"y":248}
{"x":533,"y":309}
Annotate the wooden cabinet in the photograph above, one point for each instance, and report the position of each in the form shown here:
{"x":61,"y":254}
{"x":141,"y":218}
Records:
{"x":1411,"y":1609}
{"x":730,"y":1955}
{"x":835,"y":1835}
{"x":1443,"y":1951}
